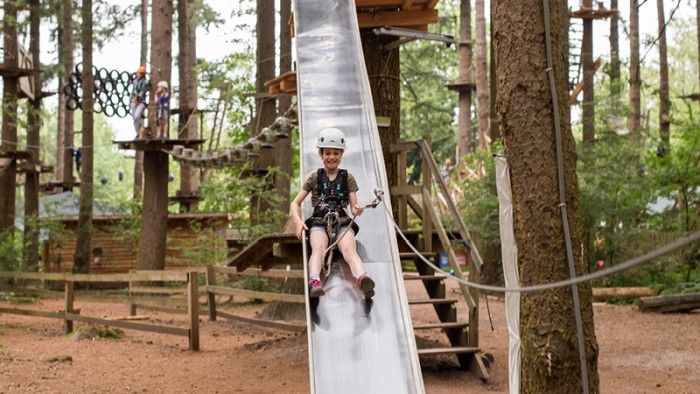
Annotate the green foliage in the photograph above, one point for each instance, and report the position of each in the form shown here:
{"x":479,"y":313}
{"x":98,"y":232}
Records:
{"x":207,"y":247}
{"x":427,"y":107}
{"x":479,"y":203}
{"x":231,"y":191}
{"x":10,"y":251}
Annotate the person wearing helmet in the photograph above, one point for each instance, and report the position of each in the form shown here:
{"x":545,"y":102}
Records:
{"x":332,"y":189}
{"x":138,"y":99}
{"x":162,"y":110}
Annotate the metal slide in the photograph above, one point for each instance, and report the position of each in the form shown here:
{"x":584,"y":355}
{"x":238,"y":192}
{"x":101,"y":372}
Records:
{"x":354,"y":346}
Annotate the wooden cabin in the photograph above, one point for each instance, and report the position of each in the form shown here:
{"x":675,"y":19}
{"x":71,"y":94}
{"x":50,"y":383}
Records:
{"x":193,"y":239}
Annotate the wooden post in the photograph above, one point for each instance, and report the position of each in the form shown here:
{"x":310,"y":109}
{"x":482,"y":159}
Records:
{"x":427,"y":183}
{"x":132,"y":306}
{"x":403,"y":199}
{"x":193,"y":309}
{"x":473,"y":309}
{"x":211,"y":297}
{"x":69,"y":304}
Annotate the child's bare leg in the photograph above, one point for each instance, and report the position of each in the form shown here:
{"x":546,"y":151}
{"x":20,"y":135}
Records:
{"x":348,"y":248}
{"x":319,"y":244}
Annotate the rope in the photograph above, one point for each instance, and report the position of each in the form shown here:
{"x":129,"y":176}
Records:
{"x":645,"y":258}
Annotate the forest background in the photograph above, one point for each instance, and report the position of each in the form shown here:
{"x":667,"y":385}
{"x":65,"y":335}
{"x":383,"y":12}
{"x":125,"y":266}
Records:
{"x":633,"y":198}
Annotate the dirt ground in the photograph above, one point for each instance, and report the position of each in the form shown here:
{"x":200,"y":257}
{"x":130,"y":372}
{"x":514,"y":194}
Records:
{"x":639,"y":353}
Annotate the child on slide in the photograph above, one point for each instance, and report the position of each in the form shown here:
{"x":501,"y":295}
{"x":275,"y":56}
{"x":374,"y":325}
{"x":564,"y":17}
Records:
{"x":332,"y":189}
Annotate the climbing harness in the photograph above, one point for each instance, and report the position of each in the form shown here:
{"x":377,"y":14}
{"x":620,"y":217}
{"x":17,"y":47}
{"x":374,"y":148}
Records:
{"x":332,"y":221}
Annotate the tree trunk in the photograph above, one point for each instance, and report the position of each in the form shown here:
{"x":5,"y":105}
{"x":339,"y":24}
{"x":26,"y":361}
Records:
{"x":614,"y":53}
{"x":494,"y":130}
{"x":154,"y":215}
{"x":633,"y":122}
{"x":9,"y":120}
{"x":670,"y":303}
{"x":285,"y":50}
{"x":588,"y":72}
{"x":81,"y":262}
{"x":283,"y":146}
{"x":664,"y":101}
{"x":550,"y":360}
{"x":138,"y":159}
{"x":144,"y":33}
{"x":482,"y":93}
{"x":31,"y":184}
{"x":383,"y":67}
{"x":266,"y":108}
{"x":464,"y":120}
{"x":697,"y":23}
{"x":69,"y":118}
{"x":187,"y":127}
{"x":61,"y":126}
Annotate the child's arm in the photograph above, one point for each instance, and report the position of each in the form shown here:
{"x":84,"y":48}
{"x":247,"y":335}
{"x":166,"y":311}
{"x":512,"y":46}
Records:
{"x":356,"y":208}
{"x":295,"y":210}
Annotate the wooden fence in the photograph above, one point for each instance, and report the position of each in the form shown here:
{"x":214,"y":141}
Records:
{"x":182,"y":300}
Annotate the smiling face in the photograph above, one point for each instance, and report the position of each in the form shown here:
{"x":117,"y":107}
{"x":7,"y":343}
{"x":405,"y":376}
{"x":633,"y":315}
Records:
{"x":331,"y":157}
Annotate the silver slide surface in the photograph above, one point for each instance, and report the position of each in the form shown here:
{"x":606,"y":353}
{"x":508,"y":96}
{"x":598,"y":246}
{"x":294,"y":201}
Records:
{"x":354,"y":346}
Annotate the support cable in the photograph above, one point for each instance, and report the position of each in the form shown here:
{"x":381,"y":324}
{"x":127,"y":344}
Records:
{"x":681,"y":243}
{"x":562,"y":199}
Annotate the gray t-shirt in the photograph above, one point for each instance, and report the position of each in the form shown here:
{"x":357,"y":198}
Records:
{"x":310,"y":186}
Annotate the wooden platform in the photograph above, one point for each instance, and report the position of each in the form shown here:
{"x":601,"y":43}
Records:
{"x":284,"y":85}
{"x":413,"y":14}
{"x":29,"y":166}
{"x":458,"y":86}
{"x":150,"y":145}
{"x":16,"y":72}
{"x":16,"y":154}
{"x":592,"y":13}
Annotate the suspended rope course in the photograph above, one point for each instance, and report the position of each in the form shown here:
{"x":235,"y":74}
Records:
{"x":241,"y":154}
{"x":112,"y":93}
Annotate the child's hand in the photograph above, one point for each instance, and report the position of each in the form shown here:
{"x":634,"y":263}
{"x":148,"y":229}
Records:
{"x":357,"y":210}
{"x":301,"y":226}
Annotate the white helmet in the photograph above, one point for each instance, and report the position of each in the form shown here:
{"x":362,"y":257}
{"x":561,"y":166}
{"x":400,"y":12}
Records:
{"x":163,"y":84}
{"x":330,"y":137}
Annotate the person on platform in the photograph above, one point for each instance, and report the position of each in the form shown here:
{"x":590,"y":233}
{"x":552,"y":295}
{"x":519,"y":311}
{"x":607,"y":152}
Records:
{"x":332,"y":189}
{"x":162,"y":110}
{"x":138,"y":100}
{"x":78,"y":155}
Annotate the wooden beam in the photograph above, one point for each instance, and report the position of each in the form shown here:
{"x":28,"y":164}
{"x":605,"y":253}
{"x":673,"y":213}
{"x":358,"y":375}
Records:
{"x":129,"y":325}
{"x":403,"y":146}
{"x":606,"y":293}
{"x":378,"y":3}
{"x":396,"y":18}
{"x":445,"y":240}
{"x":579,"y":86}
{"x":401,"y":190}
{"x":295,"y":298}
{"x":261,"y":273}
{"x":406,"y":4}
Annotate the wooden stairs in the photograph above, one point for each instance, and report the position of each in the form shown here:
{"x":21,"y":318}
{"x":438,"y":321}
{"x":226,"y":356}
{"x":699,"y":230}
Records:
{"x":272,"y":250}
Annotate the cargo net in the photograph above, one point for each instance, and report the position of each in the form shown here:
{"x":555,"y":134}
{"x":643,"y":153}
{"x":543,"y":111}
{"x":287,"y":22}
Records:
{"x":112,"y":93}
